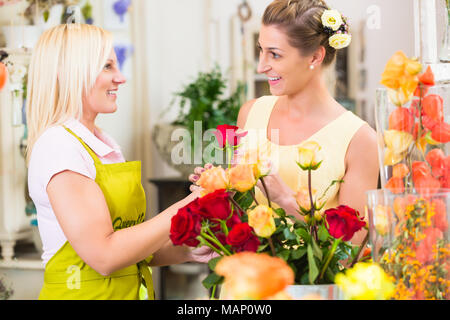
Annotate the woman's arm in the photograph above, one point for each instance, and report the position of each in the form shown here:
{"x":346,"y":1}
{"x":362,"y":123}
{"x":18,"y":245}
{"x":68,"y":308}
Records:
{"x":361,"y":174}
{"x":171,"y":254}
{"x":243,"y":113}
{"x":83,"y":215}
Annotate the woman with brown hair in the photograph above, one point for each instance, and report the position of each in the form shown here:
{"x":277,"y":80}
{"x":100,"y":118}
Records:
{"x":298,"y":40}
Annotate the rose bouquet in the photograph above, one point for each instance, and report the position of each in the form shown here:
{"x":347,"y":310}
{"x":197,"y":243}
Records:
{"x":228,"y":218}
{"x":409,"y":229}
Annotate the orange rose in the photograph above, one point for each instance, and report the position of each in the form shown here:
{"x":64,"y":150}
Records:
{"x":213,"y":179}
{"x":253,"y":276}
{"x":262,"y":221}
{"x":241,"y":177}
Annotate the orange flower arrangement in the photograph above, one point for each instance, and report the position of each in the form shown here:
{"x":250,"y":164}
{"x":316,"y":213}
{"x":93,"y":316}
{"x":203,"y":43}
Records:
{"x":415,"y":137}
{"x":411,"y":129}
{"x":419,"y":259}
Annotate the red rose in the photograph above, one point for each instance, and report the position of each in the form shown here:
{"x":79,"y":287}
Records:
{"x":343,"y":222}
{"x":227,"y":133}
{"x":185,"y":227}
{"x":214,"y":205}
{"x":241,"y":238}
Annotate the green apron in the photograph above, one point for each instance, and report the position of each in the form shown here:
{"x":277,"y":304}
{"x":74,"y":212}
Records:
{"x":67,"y":276}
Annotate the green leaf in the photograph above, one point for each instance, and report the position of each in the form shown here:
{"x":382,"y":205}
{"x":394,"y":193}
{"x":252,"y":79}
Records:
{"x":313,"y":270}
{"x":284,"y":255}
{"x":244,"y":200}
{"x":211,"y":280}
{"x":280,"y":212}
{"x":330,"y":275}
{"x":316,"y":250}
{"x":323,"y":233}
{"x":262,"y":247}
{"x":213,"y":262}
{"x":303,"y":234}
{"x":288,"y":234}
{"x":297,"y":254}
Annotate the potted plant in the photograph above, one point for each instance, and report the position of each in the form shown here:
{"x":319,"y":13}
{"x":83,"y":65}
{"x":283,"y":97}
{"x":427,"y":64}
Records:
{"x":203,"y":104}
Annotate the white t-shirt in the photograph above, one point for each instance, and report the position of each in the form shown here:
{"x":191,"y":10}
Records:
{"x":55,"y":151}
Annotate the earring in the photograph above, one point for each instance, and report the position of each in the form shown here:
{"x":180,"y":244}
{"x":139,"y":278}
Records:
{"x":311,"y":67}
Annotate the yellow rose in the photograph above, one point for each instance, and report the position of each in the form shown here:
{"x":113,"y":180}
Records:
{"x":241,"y":177}
{"x":259,"y":276}
{"x":310,"y":157}
{"x":340,"y":40}
{"x":365,"y":281}
{"x":260,"y":157}
{"x":213,"y":179}
{"x":303,"y":200}
{"x":332,"y":19}
{"x":262,"y":221}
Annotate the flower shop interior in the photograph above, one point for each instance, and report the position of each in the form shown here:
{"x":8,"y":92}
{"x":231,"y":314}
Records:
{"x":162,"y":47}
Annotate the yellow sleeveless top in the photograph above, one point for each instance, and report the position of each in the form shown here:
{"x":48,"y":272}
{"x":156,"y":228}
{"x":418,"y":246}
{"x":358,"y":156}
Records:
{"x":334,"y":138}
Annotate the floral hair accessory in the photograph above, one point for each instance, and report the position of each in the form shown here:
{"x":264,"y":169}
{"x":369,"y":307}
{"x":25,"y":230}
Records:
{"x":335,"y":25}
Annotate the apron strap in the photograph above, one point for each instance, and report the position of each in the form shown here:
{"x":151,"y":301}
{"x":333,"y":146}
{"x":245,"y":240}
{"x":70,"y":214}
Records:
{"x":88,"y":149}
{"x":144,"y":272}
{"x":87,"y":275}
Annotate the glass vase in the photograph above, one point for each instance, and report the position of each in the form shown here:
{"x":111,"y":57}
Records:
{"x":409,"y":238}
{"x":404,"y":135}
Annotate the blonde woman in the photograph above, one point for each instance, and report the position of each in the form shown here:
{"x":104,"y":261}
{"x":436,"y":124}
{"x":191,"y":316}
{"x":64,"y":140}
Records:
{"x":90,"y":202}
{"x":298,"y":41}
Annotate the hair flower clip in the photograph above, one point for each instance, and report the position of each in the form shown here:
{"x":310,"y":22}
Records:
{"x":335,"y":26}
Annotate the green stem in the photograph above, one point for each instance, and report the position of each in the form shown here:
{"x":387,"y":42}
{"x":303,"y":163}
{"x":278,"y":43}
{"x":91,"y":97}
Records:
{"x":236,"y":204}
{"x":361,"y":247}
{"x":216,"y":242}
{"x":207,"y":243}
{"x":229,"y":154}
{"x":213,"y":293}
{"x":266,"y":191}
{"x":329,"y":257}
{"x":313,"y":227}
{"x":272,"y":248}
{"x":223,"y":224}
{"x":254,"y":197}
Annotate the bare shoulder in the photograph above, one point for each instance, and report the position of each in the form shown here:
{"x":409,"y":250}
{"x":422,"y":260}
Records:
{"x":243,"y":113}
{"x":363,"y":145}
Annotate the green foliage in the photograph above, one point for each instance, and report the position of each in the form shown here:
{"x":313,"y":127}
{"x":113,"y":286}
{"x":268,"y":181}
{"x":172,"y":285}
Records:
{"x":305,"y":253}
{"x":203,"y":100}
